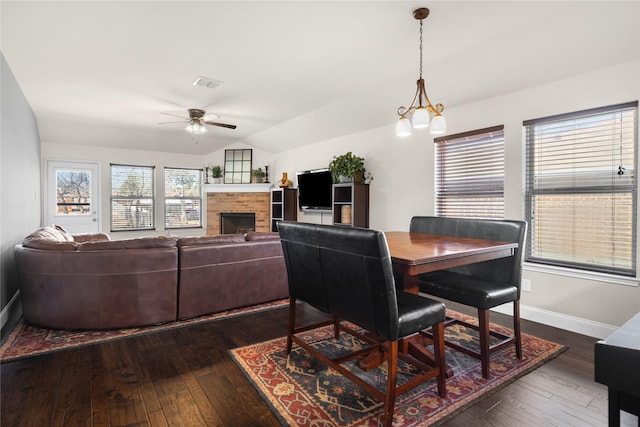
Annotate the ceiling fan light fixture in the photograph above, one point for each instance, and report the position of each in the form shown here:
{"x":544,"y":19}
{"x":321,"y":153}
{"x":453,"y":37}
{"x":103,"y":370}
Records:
{"x":196,"y":127}
{"x":198,"y":121}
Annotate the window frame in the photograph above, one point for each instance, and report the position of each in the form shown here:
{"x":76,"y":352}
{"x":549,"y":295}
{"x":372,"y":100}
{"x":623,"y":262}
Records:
{"x":238,"y":164}
{"x":468,"y":197}
{"x":588,"y":185}
{"x":198,"y":198}
{"x":147,"y":196}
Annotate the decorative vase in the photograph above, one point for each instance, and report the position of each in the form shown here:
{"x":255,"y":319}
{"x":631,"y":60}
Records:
{"x":284,"y":181}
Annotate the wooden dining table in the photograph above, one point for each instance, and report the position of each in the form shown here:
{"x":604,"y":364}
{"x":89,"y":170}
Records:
{"x":413,"y":254}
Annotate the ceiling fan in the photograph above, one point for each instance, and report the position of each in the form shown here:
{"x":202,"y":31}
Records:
{"x":197,"y":120}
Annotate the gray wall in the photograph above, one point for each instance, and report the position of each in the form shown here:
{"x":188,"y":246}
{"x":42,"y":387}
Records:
{"x":20,"y":194}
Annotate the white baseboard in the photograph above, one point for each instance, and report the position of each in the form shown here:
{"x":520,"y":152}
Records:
{"x":4,"y":314}
{"x":559,"y":320}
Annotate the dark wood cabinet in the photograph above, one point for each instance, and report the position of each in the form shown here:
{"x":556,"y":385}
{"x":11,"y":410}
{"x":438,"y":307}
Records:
{"x":284,"y":206}
{"x":350,"y":205}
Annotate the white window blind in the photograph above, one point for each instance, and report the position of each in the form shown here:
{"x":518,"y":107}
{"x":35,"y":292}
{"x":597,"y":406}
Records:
{"x":470,"y":174}
{"x":581,"y":189}
{"x":182,"y":198}
{"x":132,"y":198}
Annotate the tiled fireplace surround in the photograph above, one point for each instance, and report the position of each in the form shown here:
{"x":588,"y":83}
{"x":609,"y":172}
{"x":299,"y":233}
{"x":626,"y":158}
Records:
{"x":238,"y":202}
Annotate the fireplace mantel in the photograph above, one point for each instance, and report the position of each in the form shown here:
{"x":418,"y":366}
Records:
{"x":237,"y":188}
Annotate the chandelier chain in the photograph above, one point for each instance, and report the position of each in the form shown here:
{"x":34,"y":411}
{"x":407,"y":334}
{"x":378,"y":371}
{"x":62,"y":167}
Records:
{"x":421,"y":48}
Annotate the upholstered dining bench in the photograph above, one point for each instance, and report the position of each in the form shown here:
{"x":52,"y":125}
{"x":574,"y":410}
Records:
{"x":482,"y":285}
{"x":347,"y":273}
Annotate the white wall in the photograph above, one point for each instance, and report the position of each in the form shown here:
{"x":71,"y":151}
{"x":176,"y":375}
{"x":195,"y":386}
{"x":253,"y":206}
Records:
{"x":404,"y":178}
{"x":19,"y":182}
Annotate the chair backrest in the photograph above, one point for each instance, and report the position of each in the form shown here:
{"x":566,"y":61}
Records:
{"x":343,"y":271}
{"x":503,"y":270}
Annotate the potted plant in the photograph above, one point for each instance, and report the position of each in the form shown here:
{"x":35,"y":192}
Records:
{"x":348,"y":168}
{"x":216,"y":174}
{"x":258,"y":175}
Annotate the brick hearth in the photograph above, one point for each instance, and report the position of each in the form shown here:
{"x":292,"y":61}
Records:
{"x":237,"y":203}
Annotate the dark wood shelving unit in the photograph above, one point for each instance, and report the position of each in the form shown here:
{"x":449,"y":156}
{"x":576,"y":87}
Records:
{"x":283,"y":206}
{"x":350,"y":205}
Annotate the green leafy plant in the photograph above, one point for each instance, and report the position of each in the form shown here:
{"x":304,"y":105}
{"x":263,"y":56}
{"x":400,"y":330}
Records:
{"x":348,"y":165}
{"x":258,"y":173}
{"x":216,"y":171}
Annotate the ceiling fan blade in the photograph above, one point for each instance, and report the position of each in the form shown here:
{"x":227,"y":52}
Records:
{"x":165,"y":123}
{"x":175,"y":115}
{"x":222,"y":125}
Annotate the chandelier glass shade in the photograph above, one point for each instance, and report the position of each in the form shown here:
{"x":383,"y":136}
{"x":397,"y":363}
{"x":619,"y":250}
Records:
{"x":422,"y":112}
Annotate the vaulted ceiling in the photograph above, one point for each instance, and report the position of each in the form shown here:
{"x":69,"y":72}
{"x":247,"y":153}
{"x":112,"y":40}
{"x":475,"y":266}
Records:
{"x":293,"y":72}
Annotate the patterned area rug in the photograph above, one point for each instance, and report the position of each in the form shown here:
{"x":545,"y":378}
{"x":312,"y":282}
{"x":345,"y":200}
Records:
{"x":302,"y":391}
{"x":26,"y":340}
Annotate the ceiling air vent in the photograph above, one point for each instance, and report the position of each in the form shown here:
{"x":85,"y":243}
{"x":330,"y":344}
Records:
{"x":207,"y":82}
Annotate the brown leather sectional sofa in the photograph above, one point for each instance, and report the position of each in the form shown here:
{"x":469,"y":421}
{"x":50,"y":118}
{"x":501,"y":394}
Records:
{"x":91,"y":282}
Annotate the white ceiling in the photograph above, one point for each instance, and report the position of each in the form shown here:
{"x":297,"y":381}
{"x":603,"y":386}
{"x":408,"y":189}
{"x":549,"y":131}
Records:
{"x":294,"y":72}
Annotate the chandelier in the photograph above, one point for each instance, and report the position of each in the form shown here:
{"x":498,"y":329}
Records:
{"x":421,"y":112}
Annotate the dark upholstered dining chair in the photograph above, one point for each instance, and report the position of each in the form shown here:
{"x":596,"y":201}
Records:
{"x":481,"y":285}
{"x":347,"y":273}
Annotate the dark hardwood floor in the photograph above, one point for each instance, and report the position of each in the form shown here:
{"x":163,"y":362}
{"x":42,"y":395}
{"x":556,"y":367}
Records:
{"x":184,"y":377}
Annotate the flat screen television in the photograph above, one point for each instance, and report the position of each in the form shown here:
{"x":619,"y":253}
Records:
{"x":315,"y":190}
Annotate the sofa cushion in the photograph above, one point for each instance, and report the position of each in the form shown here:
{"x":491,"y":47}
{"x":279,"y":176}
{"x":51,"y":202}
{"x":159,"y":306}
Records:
{"x":150,"y":242}
{"x":49,"y":244}
{"x":52,"y":233}
{"x":91,"y":237}
{"x":256,"y":235}
{"x":63,"y":232}
{"x":139,"y":243}
{"x":210,"y":240}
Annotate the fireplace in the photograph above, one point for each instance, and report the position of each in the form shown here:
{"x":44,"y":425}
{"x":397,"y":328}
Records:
{"x":231,"y":200}
{"x":237,"y":223}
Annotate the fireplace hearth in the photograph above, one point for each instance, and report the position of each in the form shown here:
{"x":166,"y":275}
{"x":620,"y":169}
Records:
{"x":237,"y":223}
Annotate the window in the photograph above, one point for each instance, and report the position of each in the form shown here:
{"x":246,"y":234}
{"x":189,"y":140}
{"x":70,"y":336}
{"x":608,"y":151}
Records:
{"x":581,"y":189}
{"x":237,"y":166}
{"x":73,"y":191}
{"x":470,"y":174}
{"x":182,"y":198}
{"x":132,"y":198}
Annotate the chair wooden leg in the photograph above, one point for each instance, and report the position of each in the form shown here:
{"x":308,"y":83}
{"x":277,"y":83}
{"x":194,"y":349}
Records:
{"x":516,"y":328}
{"x":392,"y":371}
{"x":483,"y":332}
{"x":439,"y":356}
{"x":292,"y":323}
{"x":336,"y":327}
